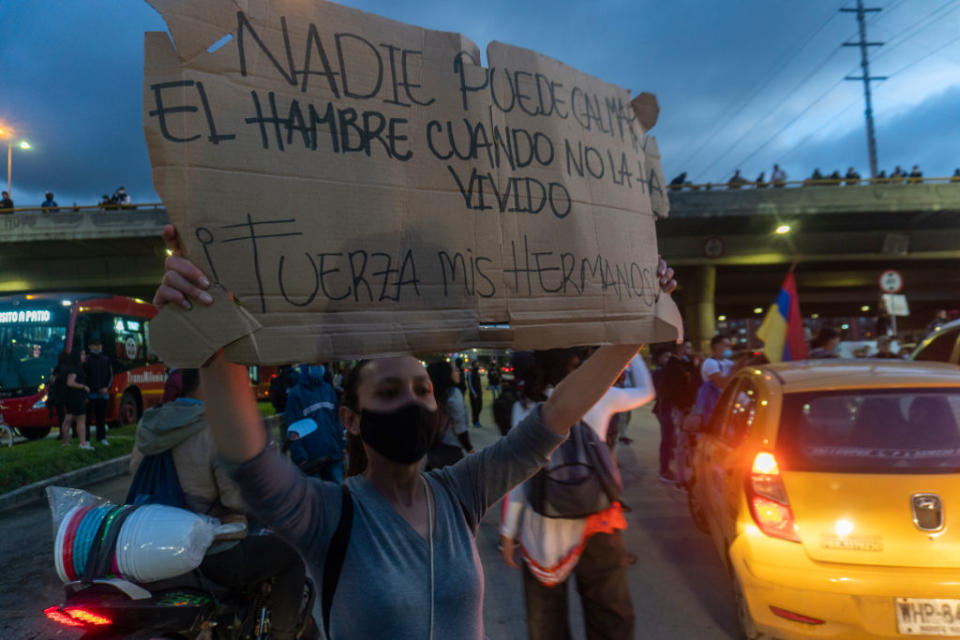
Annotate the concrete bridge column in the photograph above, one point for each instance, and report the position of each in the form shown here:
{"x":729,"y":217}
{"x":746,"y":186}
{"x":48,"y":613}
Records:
{"x":700,"y":313}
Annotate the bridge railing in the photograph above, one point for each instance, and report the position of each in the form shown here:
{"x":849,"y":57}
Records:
{"x":84,"y":208}
{"x":809,"y":182}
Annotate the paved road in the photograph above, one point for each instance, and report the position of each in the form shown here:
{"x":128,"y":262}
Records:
{"x":679,"y":587}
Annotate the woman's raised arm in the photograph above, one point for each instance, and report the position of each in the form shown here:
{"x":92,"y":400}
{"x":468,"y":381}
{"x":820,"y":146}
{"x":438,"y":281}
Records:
{"x":583,"y":388}
{"x":231,"y":409}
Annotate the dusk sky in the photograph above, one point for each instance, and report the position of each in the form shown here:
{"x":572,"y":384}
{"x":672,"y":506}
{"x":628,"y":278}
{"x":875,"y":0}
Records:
{"x":740,"y":84}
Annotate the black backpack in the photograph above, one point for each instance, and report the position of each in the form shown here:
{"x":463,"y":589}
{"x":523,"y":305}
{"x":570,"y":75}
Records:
{"x":156,"y":482}
{"x":581,"y":478}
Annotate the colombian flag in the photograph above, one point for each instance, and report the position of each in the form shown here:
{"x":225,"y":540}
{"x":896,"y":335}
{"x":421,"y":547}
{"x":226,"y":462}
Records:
{"x":782,"y":328}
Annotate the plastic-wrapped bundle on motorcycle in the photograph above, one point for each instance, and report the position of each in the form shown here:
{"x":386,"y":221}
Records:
{"x":145,"y":543}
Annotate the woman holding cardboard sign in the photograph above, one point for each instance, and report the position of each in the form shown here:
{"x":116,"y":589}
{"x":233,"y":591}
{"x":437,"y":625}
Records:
{"x":396,"y":545}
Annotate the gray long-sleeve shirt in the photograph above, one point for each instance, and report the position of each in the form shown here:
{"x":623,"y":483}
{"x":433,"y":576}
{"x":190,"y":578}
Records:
{"x":384,"y":587}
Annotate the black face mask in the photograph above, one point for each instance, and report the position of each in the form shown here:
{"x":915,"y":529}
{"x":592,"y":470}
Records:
{"x":403,"y":435}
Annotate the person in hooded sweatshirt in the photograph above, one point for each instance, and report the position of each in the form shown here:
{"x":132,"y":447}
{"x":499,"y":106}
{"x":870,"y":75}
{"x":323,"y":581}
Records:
{"x":181,"y":427}
{"x":315,"y":398}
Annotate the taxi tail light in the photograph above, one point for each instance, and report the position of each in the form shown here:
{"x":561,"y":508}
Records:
{"x":768,"y":501}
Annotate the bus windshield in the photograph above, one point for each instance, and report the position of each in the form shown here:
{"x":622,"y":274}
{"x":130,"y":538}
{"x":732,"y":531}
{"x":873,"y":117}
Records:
{"x":28,"y":351}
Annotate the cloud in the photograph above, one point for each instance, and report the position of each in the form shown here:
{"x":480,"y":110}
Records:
{"x":914,"y":137}
{"x":72,"y":79}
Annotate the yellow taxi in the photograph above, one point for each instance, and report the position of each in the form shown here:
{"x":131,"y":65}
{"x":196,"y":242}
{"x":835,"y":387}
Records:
{"x":832,"y":492}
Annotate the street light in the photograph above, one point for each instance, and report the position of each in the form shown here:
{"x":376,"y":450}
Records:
{"x":23,"y":144}
{"x":6,"y":132}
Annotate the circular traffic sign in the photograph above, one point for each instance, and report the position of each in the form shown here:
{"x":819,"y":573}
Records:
{"x":713,"y":247}
{"x":891,"y":281}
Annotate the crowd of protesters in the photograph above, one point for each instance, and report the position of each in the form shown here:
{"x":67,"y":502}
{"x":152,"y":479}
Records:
{"x":778,"y":179}
{"x":388,"y":445}
{"x":338,"y":430}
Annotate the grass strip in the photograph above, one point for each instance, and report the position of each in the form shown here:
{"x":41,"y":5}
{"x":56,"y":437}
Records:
{"x":37,"y":460}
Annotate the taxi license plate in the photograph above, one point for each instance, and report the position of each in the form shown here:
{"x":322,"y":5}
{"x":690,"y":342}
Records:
{"x":928,"y":617}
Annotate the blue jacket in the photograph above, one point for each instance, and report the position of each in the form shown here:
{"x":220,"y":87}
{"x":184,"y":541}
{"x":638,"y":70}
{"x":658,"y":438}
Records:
{"x":313,"y":398}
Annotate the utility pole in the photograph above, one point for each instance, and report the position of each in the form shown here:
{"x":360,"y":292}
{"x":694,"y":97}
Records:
{"x":866,"y":78}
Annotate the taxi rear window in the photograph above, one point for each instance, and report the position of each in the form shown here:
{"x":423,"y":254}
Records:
{"x":871,"y":431}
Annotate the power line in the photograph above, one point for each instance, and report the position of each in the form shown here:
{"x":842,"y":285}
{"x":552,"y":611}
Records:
{"x":885,"y":88}
{"x":789,"y":124}
{"x":904,"y":35}
{"x":887,"y":10}
{"x":809,"y":136}
{"x":777,"y":69}
{"x":900,"y":38}
{"x":757,"y":124}
{"x":925,"y":56}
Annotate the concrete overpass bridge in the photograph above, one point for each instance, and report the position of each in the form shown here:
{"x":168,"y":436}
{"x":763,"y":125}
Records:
{"x":87,"y":250}
{"x":731,"y":260}
{"x":723,"y":243}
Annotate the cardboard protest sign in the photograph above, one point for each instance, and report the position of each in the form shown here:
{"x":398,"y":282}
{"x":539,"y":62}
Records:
{"x":366,"y":187}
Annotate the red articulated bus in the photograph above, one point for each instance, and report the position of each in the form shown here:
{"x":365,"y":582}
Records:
{"x":35,"y":328}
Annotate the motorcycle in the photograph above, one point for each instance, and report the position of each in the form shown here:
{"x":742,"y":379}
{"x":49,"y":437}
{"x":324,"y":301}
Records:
{"x":188,"y":607}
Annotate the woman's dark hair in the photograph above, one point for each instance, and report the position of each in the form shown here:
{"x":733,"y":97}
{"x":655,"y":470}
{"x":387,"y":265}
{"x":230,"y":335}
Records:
{"x":73,"y":358}
{"x":63,"y":358}
{"x":441,"y":374}
{"x":357,"y":457}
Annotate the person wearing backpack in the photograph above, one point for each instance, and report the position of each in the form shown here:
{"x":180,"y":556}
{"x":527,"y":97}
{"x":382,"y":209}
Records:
{"x":586,"y":542}
{"x":178,"y":432}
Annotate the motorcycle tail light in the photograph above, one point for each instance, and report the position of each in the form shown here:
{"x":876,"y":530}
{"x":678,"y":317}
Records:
{"x":56,"y":615}
{"x":768,"y":501}
{"x":76,"y":617}
{"x":87,"y":617}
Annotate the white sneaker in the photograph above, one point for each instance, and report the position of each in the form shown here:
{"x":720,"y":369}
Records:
{"x":104,"y":442}
{"x":86,"y":446}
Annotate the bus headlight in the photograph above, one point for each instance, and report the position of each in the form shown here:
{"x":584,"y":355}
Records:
{"x":41,"y":403}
